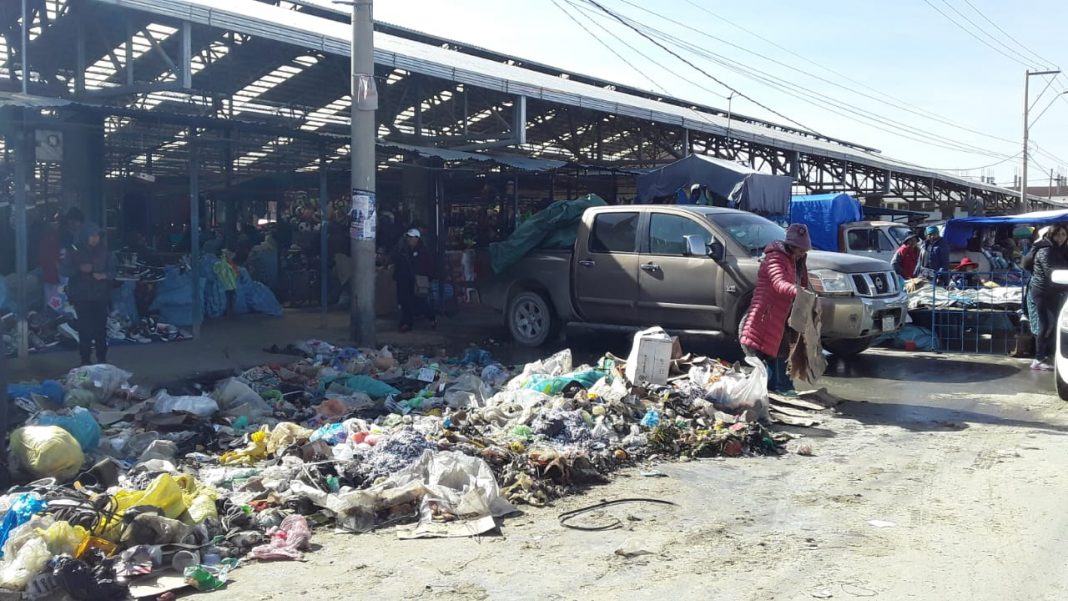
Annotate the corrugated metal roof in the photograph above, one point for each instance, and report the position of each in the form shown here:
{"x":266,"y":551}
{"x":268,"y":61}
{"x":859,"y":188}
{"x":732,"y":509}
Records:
{"x":313,"y":32}
{"x":517,"y":162}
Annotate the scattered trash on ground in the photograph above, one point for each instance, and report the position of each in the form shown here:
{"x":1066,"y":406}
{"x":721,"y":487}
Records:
{"x":143,"y":492}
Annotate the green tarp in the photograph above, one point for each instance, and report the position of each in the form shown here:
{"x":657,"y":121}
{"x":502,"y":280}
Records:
{"x":554,"y":228}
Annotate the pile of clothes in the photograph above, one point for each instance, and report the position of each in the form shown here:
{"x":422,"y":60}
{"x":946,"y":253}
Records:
{"x":143,"y":491}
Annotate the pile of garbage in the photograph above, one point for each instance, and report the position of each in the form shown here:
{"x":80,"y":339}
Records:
{"x":149,"y":491}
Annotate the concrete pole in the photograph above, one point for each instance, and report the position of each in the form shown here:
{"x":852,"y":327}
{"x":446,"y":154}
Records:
{"x":364,"y":205}
{"x":25,"y":43}
{"x":1023,"y":174}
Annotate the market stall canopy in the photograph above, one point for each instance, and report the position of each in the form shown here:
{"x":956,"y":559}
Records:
{"x":823,"y":213}
{"x":750,"y":189}
{"x":958,"y":231}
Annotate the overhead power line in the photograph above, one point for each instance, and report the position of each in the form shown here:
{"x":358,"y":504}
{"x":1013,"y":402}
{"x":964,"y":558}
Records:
{"x":1045,"y":63}
{"x":986,"y":33}
{"x":976,"y":36}
{"x":833,"y":105}
{"x":735,"y":91}
{"x":877,"y":94}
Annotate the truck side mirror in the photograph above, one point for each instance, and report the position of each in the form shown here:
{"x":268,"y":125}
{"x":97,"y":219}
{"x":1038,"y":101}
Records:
{"x":696,"y":246}
{"x":716,"y":250}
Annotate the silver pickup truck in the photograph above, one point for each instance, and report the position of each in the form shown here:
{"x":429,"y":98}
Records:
{"x":690,"y":270}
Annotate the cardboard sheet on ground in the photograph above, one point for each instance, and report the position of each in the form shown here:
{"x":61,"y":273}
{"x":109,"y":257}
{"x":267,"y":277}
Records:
{"x":156,"y":585}
{"x":448,"y":529}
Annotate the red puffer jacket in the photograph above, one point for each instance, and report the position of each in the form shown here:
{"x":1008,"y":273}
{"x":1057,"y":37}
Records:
{"x":774,"y":295}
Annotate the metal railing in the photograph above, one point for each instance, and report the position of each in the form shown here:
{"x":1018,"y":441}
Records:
{"x":968,"y":315}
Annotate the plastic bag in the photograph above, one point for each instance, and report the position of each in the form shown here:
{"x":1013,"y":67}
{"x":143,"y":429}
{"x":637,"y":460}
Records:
{"x":199,"y":497}
{"x":737,"y":392}
{"x":256,"y":450}
{"x":376,"y":389}
{"x":102,"y":379}
{"x":197,"y":405}
{"x":22,"y":509}
{"x":331,"y":434}
{"x":287,"y":542}
{"x":50,"y":389}
{"x":47,"y":452}
{"x":62,"y":538}
{"x":79,"y":422}
{"x":237,"y":399}
{"x":557,"y":365}
{"x":163,"y":493}
{"x":16,"y":572}
{"x":286,"y":434}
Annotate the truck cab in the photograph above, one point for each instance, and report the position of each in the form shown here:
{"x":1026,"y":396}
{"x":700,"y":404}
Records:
{"x":873,"y":239}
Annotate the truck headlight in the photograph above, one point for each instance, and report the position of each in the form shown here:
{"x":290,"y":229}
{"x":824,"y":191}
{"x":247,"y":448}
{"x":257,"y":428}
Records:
{"x":831,"y":283}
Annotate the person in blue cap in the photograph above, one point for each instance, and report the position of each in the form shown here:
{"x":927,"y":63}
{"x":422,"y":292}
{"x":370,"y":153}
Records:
{"x":935,"y":255}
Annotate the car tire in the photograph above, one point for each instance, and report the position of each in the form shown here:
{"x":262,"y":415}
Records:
{"x":1062,"y":386}
{"x":848,"y":347}
{"x":530,"y":319}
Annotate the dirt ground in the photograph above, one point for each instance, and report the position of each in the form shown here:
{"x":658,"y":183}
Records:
{"x":946,"y":482}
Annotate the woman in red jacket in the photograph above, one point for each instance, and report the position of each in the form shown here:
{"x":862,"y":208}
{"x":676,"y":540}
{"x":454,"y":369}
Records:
{"x":781,"y":272}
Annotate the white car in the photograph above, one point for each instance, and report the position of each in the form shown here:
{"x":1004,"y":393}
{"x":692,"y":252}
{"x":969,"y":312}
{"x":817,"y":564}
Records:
{"x":1060,"y":360}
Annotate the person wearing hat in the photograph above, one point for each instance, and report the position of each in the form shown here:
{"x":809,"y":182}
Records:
{"x":91,"y":269}
{"x":964,"y":275}
{"x":907,"y":258}
{"x":782,"y":270}
{"x":935,"y":255}
{"x":1044,"y":297}
{"x":413,"y":266}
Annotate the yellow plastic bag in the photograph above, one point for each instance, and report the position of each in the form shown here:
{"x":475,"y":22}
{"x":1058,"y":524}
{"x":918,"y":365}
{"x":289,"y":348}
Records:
{"x":286,"y":434}
{"x":255,"y":451}
{"x":62,"y":538}
{"x":163,"y":492}
{"x":199,"y":498}
{"x":47,"y":452}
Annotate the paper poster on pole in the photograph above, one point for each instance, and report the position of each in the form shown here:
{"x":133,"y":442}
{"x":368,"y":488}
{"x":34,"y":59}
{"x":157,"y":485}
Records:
{"x":364,"y":215}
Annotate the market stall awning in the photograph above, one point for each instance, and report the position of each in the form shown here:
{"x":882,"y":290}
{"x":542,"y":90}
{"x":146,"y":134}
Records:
{"x":958,"y":231}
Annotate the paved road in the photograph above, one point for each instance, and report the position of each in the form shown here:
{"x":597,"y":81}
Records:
{"x":943,"y":479}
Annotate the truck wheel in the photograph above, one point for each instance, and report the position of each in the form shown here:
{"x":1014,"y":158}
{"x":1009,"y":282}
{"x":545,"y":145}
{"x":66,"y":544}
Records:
{"x":848,"y":347}
{"x":1062,"y":386}
{"x":530,"y":319}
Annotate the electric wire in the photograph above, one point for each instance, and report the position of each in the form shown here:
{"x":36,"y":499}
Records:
{"x":1019,"y":54}
{"x":1044,"y":61}
{"x":613,"y":15}
{"x":817,"y":99}
{"x":977,"y":37}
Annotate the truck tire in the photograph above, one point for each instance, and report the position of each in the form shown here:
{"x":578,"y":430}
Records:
{"x":530,"y":319}
{"x":849,"y":347}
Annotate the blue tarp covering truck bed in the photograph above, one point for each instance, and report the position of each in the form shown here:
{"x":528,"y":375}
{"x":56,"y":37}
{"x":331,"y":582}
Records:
{"x":823,"y":214}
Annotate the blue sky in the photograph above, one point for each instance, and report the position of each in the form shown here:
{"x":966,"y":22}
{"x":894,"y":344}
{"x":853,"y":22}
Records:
{"x":905,"y":52}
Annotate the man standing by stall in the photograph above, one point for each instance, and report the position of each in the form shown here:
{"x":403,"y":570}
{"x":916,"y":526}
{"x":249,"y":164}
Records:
{"x":907,"y":258}
{"x":935,"y":255}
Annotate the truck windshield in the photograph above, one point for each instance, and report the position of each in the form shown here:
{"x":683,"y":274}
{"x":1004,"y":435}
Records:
{"x":899,"y":234}
{"x":751,"y":231}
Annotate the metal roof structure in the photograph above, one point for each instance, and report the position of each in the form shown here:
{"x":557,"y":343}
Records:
{"x":264,"y":86}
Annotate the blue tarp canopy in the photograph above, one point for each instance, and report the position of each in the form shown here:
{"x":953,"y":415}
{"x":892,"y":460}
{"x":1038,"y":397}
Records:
{"x":957,"y":232}
{"x":823,"y":213}
{"x":750,"y":189}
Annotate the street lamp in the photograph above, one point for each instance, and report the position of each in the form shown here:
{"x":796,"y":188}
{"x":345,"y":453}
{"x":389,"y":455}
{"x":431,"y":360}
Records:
{"x":1026,"y":127}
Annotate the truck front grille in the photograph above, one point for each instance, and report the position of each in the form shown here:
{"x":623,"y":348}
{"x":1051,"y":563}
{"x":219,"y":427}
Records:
{"x":875,"y":284}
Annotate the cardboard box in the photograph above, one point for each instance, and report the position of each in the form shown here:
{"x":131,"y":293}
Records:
{"x":650,"y":357}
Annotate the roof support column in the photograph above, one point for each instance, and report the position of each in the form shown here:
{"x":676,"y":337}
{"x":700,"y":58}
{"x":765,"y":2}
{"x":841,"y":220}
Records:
{"x":519,"y":120}
{"x":129,"y":53}
{"x":23,"y":168}
{"x":79,"y":56}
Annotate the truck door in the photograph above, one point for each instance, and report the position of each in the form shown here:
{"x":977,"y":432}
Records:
{"x":677,"y":291}
{"x":869,"y":242}
{"x":606,"y":268}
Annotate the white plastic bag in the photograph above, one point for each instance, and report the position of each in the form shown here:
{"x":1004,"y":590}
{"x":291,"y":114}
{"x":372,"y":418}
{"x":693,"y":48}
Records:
{"x":102,"y":380}
{"x":736,"y":392}
{"x":16,"y":572}
{"x":236,"y":399}
{"x":197,"y":405}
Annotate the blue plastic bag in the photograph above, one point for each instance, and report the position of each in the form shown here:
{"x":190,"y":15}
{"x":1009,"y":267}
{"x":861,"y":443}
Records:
{"x":80,"y":423}
{"x":477,"y":356}
{"x":554,"y":385}
{"x":331,"y":434}
{"x":24,"y":507}
{"x":376,"y":389}
{"x":47,"y":388}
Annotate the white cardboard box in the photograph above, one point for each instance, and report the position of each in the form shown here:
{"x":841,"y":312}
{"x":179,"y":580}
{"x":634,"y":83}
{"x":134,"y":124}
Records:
{"x":650,"y":357}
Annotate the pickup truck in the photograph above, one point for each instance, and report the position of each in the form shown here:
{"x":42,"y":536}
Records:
{"x":690,"y":270}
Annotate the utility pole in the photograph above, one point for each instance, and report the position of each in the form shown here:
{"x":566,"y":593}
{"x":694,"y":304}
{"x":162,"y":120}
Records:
{"x":364,"y":213}
{"x":1026,"y":129}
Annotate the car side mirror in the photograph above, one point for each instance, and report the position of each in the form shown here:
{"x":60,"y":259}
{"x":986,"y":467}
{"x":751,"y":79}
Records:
{"x":717,"y":251}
